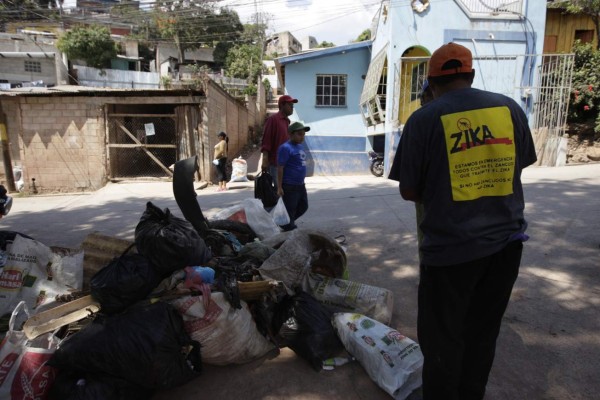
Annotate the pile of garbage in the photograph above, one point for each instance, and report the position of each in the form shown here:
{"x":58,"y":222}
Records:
{"x":188,"y":292}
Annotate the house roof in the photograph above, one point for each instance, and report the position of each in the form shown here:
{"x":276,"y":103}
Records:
{"x":74,"y":90}
{"x":317,"y":53}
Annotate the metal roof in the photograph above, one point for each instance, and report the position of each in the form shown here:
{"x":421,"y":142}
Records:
{"x":316,"y":53}
{"x":74,"y":90}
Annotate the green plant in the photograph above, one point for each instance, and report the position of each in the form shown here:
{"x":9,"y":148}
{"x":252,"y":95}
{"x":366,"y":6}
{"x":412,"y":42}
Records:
{"x":585,"y":93}
{"x":251,"y":90}
{"x":91,"y":44}
{"x":268,"y":88}
{"x":166,"y":82}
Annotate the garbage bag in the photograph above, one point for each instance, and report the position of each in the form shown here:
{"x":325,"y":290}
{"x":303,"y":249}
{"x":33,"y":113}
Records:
{"x":340,"y":295}
{"x":146,"y":345}
{"x":169,"y":242}
{"x":227,"y":335}
{"x":124,"y":281}
{"x":307,"y":329}
{"x":392,"y":360}
{"x":77,"y":385}
{"x":265,"y":189}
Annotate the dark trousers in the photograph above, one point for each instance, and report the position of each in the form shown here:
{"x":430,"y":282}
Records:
{"x":296,"y":203}
{"x":460,"y":312}
{"x":222,"y":170}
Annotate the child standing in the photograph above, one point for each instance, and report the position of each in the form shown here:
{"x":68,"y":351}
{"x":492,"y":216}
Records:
{"x":291,"y":171}
{"x":220,"y":160}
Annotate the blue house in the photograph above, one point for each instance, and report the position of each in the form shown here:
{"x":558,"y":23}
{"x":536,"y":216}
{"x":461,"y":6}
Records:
{"x":328,"y":84}
{"x":505,"y":37}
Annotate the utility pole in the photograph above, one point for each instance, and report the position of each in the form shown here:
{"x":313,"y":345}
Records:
{"x":8,"y":171}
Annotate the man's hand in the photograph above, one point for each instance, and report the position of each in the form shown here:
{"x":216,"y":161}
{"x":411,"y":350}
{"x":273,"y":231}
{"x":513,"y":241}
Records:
{"x":280,"y":192}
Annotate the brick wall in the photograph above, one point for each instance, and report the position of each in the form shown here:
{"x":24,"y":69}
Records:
{"x":60,"y":142}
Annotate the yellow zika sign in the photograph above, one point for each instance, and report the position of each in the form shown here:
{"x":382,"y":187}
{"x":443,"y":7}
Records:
{"x":481,"y":152}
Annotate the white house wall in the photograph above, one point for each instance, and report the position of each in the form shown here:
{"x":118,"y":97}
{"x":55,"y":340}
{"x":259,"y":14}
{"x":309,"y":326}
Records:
{"x":444,"y":22}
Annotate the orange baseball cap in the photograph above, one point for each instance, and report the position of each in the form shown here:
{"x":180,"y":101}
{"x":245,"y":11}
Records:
{"x":449,"y":52}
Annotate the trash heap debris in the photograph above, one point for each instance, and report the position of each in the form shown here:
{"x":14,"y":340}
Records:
{"x":122,"y":320}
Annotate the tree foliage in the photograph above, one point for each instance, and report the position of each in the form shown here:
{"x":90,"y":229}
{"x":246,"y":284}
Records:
{"x":588,"y":7}
{"x":195,"y":23}
{"x":91,"y":44}
{"x":244,"y":61}
{"x":325,"y":44}
{"x":585,"y":94}
{"x":365,"y":35}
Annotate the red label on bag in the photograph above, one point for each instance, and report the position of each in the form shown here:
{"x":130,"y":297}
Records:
{"x":11,"y":279}
{"x":33,"y":378}
{"x":6,"y":364}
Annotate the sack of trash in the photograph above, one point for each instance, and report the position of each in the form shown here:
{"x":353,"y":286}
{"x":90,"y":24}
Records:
{"x":300,"y":251}
{"x":227,"y":335}
{"x":36,"y":273}
{"x":239,"y":170}
{"x":340,"y":295}
{"x":392,"y":360}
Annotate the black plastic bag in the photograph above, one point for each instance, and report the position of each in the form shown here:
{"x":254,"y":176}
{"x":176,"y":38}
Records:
{"x":76,"y":385}
{"x":124,"y":281}
{"x":169,"y":242}
{"x":146,"y":346}
{"x":306,"y":329}
{"x":265,"y":189}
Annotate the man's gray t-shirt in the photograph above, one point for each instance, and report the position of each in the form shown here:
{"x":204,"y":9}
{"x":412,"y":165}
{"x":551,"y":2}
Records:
{"x":463,"y":153}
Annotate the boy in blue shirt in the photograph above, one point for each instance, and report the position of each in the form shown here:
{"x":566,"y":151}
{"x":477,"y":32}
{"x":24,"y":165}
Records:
{"x":291,"y":171}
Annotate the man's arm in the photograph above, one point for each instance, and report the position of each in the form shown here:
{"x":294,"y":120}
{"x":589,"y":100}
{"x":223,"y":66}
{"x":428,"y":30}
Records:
{"x":410,"y":194}
{"x":267,"y":143}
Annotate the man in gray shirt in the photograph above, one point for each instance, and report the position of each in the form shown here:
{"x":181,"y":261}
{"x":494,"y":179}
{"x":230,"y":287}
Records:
{"x":461,"y":157}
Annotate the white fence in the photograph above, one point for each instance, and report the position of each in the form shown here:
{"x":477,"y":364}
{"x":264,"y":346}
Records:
{"x":118,"y":79}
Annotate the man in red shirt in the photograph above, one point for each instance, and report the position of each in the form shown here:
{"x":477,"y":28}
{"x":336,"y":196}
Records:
{"x":275,"y":133}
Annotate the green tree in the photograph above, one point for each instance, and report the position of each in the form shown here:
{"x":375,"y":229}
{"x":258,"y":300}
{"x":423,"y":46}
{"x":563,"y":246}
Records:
{"x":244,"y":61}
{"x":365,"y":35}
{"x":324,"y":44}
{"x":195,"y":23}
{"x":91,"y":44}
{"x":588,"y":7}
{"x":585,"y":94}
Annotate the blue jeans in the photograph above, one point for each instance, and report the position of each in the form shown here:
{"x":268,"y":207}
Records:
{"x":296,"y":203}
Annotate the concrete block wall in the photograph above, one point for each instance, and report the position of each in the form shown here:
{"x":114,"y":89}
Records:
{"x":62,"y":142}
{"x":13,"y":70}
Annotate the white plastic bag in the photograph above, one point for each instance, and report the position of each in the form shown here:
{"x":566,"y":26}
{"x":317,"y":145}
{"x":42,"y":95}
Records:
{"x":259,"y":220}
{"x":227,"y":335}
{"x":392,"y":360}
{"x":280,"y":214}
{"x":36,"y":274}
{"x":239,"y":169}
{"x":24,"y":373}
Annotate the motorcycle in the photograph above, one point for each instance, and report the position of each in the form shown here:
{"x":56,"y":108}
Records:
{"x":376,"y":163}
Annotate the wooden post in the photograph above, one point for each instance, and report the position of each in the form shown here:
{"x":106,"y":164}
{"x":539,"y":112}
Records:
{"x":8,"y":171}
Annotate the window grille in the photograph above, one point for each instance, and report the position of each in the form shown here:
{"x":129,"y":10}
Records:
{"x":331,"y":91}
{"x":33,"y":66}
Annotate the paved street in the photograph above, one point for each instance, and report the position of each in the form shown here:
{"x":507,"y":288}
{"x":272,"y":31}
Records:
{"x":549,"y":346}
